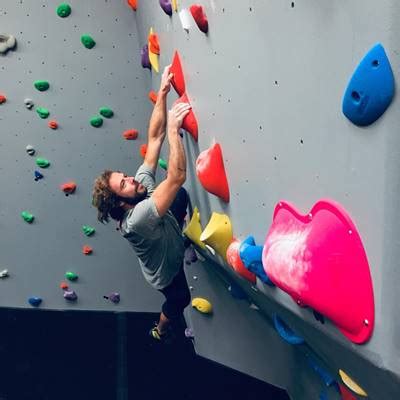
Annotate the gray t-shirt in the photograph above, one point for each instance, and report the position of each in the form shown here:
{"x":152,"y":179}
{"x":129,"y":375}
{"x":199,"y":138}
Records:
{"x":157,"y":241}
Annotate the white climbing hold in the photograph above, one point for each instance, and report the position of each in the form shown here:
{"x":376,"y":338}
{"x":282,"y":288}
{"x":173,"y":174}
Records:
{"x":185,"y":17}
{"x":30,"y":150}
{"x":4,"y":273}
{"x":29,"y":103}
{"x":7,"y":42}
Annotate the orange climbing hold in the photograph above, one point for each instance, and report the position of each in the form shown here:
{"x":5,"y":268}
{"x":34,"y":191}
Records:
{"x":178,"y":80}
{"x":87,"y":250}
{"x":234,"y":260}
{"x":143,"y":150}
{"x":130,"y":134}
{"x":53,"y":124}
{"x":3,"y":98}
{"x":64,"y":285}
{"x":153,"y":96}
{"x":211,"y":172}
{"x":154,"y":45}
{"x":133,"y":4}
{"x":200,"y":17}
{"x":189,"y":122}
{"x":68,"y":187}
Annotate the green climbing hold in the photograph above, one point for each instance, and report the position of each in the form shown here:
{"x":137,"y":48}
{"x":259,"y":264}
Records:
{"x":88,"y":230}
{"x":96,"y":121}
{"x":63,"y":10}
{"x":41,"y":85}
{"x":106,"y":112}
{"x":42,"y":162}
{"x":43,"y":112}
{"x":162,"y":163}
{"x":27,"y":216}
{"x":88,"y":41}
{"x":72,"y":276}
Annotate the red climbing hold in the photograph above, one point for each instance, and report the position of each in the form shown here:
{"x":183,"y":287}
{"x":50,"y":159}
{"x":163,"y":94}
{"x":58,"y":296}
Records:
{"x":154,"y":44}
{"x":143,"y":150}
{"x":68,"y":188}
{"x":153,"y":96}
{"x":64,"y":285}
{"x":130,"y":134}
{"x":346,"y":394}
{"x":189,"y":123}
{"x":87,"y":249}
{"x":234,"y":260}
{"x":178,"y":80}
{"x":133,"y":4}
{"x":3,"y":98}
{"x":53,"y":124}
{"x":211,"y":172}
{"x":200,"y":17}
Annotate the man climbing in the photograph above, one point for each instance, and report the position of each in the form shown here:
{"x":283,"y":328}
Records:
{"x":150,"y":217}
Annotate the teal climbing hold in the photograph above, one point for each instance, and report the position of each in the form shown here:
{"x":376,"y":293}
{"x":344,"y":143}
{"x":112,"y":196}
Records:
{"x":106,"y":112}
{"x":88,"y":41}
{"x":88,"y":230}
{"x":27,"y":217}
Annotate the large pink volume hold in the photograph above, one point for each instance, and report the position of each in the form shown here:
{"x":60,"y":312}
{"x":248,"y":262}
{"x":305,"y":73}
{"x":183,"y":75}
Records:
{"x":320,"y":261}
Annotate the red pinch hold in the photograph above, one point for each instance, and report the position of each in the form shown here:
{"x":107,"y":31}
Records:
{"x":178,"y":80}
{"x":189,"y":122}
{"x":210,"y":170}
{"x":131,"y":134}
{"x":68,"y":187}
{"x":154,"y":44}
{"x":200,"y":17}
{"x":53,"y":124}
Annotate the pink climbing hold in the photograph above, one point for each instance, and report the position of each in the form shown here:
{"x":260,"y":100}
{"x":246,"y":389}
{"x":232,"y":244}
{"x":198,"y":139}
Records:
{"x":178,"y":80}
{"x":200,"y":17}
{"x":211,"y":172}
{"x":53,"y":124}
{"x":130,"y":134}
{"x":189,"y":122}
{"x":319,"y":259}
{"x":234,"y":260}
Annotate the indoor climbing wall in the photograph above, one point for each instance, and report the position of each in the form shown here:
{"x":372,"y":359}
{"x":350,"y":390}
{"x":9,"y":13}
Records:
{"x":295,"y":144}
{"x":83,"y":85}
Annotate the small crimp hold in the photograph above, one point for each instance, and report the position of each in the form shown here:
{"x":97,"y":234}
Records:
{"x":30,"y":150}
{"x":7,"y":42}
{"x":113,"y":297}
{"x":87,"y":250}
{"x":143,"y":149}
{"x":27,"y":217}
{"x":153,"y":96}
{"x":88,"y":41}
{"x":162,"y":163}
{"x":63,"y":10}
{"x":34,"y":301}
{"x":38,"y":176}
{"x":42,"y":162}
{"x":68,"y":188}
{"x":71,"y":276}
{"x":106,"y":112}
{"x":64,"y":285}
{"x":96,"y":121}
{"x":43,"y":112}
{"x":41,"y":85}
{"x":70,"y":295}
{"x":3,"y":98}
{"x":53,"y":124}
{"x":130,"y":134}
{"x":28,"y":103}
{"x":4,"y":273}
{"x":88,"y":230}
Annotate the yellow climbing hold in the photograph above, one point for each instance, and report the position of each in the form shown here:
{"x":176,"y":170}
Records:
{"x":351,"y":384}
{"x":152,"y":56}
{"x":193,"y":230}
{"x":175,"y":5}
{"x":202,"y":305}
{"x":218,"y":233}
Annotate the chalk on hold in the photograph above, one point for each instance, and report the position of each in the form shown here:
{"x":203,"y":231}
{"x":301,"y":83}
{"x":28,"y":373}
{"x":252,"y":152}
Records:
{"x":184,"y":16}
{"x":132,"y":4}
{"x":210,"y":170}
{"x":189,"y":123}
{"x":27,"y":216}
{"x":37,"y":176}
{"x":106,"y":112}
{"x":88,"y":230}
{"x":71,"y":276}
{"x":42,"y":162}
{"x":70,"y":295}
{"x":193,"y":229}
{"x":96,"y":121}
{"x":88,"y":41}
{"x":113,"y":297}
{"x":162,"y":163}
{"x":43,"y":112}
{"x":351,"y":384}
{"x":87,"y":250}
{"x":371,"y":88}
{"x":68,"y":187}
{"x":4,"y":273}
{"x":144,"y":57}
{"x":178,"y":79}
{"x":154,"y":50}
{"x":130,"y":134}
{"x":202,"y":305}
{"x":34,"y":301}
{"x":218,"y":233}
{"x":64,"y":285}
{"x":153,"y":96}
{"x":3,"y":98}
{"x":166,"y":6}
{"x":30,"y":150}
{"x":143,"y":149}
{"x":41,"y":85}
{"x":200,"y":17}
{"x":28,"y":103}
{"x":233,"y":259}
{"x":52,"y":124}
{"x":7,"y":42}
{"x":285,"y":332}
{"x":63,"y":10}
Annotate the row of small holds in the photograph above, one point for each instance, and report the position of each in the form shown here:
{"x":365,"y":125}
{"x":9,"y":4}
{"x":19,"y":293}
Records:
{"x":97,"y":121}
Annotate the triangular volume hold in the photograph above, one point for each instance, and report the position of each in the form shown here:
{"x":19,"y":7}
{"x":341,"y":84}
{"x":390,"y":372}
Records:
{"x":189,"y":122}
{"x":178,"y":80}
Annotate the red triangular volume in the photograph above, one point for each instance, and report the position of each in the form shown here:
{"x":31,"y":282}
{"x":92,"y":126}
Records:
{"x":189,"y":123}
{"x":200,"y":17}
{"x":178,"y":80}
{"x":211,"y":172}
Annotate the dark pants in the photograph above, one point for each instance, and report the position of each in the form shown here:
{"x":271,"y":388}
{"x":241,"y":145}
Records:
{"x":177,"y":293}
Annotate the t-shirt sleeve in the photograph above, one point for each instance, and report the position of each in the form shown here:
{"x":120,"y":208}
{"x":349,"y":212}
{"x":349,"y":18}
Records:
{"x":145,"y":175}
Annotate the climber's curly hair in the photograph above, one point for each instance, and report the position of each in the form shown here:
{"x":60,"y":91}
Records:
{"x":108,"y":203}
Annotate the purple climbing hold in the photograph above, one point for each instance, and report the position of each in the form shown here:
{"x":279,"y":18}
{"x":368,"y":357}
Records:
{"x":38,"y":176}
{"x":70,"y":295}
{"x":190,"y":255}
{"x":144,"y":54}
{"x":189,"y":333}
{"x":114,"y":297}
{"x":166,"y":6}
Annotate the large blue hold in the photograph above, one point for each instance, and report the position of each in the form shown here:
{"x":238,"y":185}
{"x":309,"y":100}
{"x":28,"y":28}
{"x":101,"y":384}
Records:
{"x":285,"y":332}
{"x":371,"y":88}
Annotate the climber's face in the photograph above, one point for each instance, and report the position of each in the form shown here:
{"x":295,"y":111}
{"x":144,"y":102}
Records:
{"x":127,"y":187}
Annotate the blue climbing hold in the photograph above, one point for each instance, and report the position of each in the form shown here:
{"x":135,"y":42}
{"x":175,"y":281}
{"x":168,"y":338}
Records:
{"x":251,"y":256}
{"x":38,"y":175}
{"x":371,"y":88}
{"x":237,"y":292}
{"x":326,"y":377}
{"x":34,"y":301}
{"x":285,"y":332}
